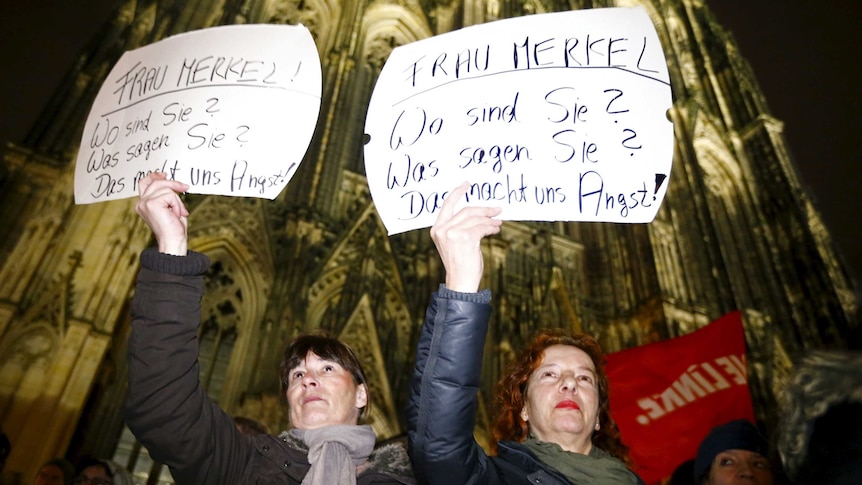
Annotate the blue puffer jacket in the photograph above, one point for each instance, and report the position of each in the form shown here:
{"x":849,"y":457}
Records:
{"x":441,"y":413}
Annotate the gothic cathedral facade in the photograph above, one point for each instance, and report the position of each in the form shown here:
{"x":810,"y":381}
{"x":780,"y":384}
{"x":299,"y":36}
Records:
{"x":737,"y":231}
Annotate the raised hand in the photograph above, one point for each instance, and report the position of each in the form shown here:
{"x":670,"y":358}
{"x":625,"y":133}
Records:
{"x":162,"y":209}
{"x":458,"y":237}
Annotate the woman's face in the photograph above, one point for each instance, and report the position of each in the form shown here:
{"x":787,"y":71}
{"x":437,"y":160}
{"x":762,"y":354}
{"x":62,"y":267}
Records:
{"x":93,"y":475}
{"x":733,"y":467}
{"x":562,"y":401}
{"x":322,"y":393}
{"x":49,"y":475}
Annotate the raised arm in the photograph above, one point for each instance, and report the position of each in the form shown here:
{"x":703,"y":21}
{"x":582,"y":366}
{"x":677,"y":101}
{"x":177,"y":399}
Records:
{"x":458,"y":236}
{"x":166,"y":407}
{"x":442,"y":408}
{"x":162,"y":209}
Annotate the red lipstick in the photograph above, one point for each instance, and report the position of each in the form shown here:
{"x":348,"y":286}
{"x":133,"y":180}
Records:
{"x":568,"y":405}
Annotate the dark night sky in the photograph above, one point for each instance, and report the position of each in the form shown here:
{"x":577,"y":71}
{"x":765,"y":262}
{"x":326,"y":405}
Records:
{"x":804,"y":54}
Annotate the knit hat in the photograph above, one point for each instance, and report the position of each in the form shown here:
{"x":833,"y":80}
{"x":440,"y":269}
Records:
{"x":735,"y":435}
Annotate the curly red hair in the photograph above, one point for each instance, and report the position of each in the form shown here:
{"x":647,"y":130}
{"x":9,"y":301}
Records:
{"x":512,"y":391}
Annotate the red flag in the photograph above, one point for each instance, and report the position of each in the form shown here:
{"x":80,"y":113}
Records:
{"x":666,"y":396}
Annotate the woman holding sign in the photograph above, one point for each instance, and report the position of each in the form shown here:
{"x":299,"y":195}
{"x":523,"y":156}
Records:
{"x":172,"y":416}
{"x":554,"y":425}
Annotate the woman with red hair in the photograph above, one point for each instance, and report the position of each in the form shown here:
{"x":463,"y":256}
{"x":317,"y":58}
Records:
{"x":553,"y":424}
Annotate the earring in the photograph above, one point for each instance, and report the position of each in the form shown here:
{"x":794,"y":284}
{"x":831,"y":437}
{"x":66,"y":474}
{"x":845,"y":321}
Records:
{"x":597,"y":426}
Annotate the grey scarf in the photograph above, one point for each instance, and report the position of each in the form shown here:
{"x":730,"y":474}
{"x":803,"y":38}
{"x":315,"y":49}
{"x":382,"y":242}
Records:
{"x":334,"y":452}
{"x":599,"y":467}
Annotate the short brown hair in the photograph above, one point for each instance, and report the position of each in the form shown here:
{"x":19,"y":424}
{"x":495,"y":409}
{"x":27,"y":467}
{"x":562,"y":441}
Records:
{"x":512,"y":391}
{"x":327,"y":348}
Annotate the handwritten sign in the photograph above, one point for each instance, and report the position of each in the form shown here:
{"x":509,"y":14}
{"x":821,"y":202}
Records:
{"x":227,"y":110}
{"x":554,"y":117}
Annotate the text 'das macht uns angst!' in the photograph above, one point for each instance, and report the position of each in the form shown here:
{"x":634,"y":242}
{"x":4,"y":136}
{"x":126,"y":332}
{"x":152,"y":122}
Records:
{"x":227,"y":110}
{"x":554,"y":117}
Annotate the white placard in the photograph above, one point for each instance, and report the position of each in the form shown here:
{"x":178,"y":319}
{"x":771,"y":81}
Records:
{"x":227,"y":110}
{"x":554,"y":117}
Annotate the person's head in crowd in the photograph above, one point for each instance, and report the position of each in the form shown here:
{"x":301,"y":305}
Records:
{"x":92,"y":471}
{"x":5,"y":449}
{"x":834,"y":455}
{"x":820,"y":432}
{"x":556,"y":390}
{"x":57,"y":471}
{"x":323,"y":381}
{"x":733,"y":453}
{"x":249,"y":426}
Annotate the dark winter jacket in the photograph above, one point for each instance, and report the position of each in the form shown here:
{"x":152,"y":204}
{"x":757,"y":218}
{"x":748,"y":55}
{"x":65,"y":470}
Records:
{"x":172,"y":416}
{"x":442,"y":408}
